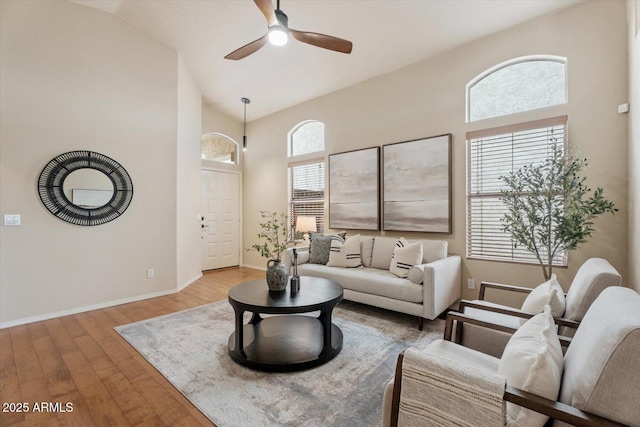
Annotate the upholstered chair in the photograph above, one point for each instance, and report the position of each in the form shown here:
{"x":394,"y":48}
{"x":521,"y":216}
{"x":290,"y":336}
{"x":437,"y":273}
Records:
{"x":595,"y":275}
{"x":597,"y":382}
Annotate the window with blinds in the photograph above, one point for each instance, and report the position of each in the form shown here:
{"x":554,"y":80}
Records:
{"x":491,"y":154}
{"x":306,"y":172}
{"x":306,"y":192}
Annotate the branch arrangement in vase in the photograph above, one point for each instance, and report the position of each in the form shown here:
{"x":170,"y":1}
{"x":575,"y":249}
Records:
{"x":276,"y":234}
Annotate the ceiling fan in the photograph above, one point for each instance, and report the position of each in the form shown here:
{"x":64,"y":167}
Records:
{"x":279,"y":32}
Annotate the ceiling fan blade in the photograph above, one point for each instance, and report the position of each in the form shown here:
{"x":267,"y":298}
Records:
{"x":247,"y":49}
{"x":323,"y":41}
{"x":266,"y":7}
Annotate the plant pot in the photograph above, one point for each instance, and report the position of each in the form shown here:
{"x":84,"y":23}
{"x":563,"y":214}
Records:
{"x":277,"y":275}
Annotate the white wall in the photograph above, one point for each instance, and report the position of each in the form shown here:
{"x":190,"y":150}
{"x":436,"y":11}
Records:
{"x":188,"y":153}
{"x":633,"y":9}
{"x":428,"y":98}
{"x":71,"y":78}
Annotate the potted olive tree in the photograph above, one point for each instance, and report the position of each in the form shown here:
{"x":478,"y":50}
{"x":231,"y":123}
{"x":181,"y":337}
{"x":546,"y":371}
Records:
{"x":277,"y":238}
{"x":550,"y":208}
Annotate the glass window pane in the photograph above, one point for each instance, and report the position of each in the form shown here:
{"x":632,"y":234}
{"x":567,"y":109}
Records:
{"x":308,"y":138}
{"x":219,"y":148}
{"x":519,"y":87}
{"x":491,"y":157}
{"x":307,"y":192}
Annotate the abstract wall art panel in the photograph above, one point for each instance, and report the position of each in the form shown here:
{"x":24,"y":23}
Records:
{"x":354,"y":190}
{"x":417,"y":185}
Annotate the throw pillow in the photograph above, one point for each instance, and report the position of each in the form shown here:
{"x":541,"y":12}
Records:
{"x":532,"y":361}
{"x":548,"y":293}
{"x":345,"y":253}
{"x":405,"y":256}
{"x":416,"y":274}
{"x":320,"y":245}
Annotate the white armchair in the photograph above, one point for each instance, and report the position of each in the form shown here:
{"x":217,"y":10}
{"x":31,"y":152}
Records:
{"x":596,"y":383}
{"x":595,"y":275}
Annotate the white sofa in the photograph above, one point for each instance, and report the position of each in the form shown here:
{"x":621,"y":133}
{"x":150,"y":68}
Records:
{"x":432,"y":287}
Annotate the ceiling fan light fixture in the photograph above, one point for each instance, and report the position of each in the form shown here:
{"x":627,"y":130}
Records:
{"x":277,"y":35}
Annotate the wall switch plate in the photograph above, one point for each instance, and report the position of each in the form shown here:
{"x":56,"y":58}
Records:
{"x":12,"y":219}
{"x":150,"y":273}
{"x":471,"y":284}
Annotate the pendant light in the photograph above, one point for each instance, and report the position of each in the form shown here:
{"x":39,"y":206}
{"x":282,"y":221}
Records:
{"x":245,"y":101}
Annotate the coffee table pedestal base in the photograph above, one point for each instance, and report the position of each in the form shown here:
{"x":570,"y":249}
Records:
{"x":285,"y":344}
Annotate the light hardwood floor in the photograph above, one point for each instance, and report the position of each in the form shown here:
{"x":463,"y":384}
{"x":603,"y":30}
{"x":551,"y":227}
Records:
{"x":80,"y":359}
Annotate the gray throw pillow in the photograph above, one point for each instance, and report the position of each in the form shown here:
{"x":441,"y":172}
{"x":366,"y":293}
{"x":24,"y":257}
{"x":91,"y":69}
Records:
{"x":320,"y":246}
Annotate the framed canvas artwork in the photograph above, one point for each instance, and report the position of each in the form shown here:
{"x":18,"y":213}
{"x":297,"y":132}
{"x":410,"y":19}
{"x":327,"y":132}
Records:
{"x":354,"y":190}
{"x":417,"y":185}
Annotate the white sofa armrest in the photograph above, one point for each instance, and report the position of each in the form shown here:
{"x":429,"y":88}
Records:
{"x":441,"y":285}
{"x":446,"y":392}
{"x":303,"y":256}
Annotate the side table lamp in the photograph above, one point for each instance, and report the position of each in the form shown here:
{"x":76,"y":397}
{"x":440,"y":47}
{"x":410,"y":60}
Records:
{"x":304,"y":224}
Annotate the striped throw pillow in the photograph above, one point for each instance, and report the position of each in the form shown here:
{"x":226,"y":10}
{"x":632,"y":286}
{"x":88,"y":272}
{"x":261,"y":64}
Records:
{"x":345,"y":253}
{"x":405,"y":256}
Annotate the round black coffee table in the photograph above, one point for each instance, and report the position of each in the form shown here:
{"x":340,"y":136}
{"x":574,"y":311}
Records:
{"x":290,"y":342}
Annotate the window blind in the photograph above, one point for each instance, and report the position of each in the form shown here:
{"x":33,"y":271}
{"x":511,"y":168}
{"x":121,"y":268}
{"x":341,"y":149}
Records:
{"x":493,"y":153}
{"x":306,"y":191}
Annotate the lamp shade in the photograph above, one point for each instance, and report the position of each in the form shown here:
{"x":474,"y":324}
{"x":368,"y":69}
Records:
{"x":306,"y":224}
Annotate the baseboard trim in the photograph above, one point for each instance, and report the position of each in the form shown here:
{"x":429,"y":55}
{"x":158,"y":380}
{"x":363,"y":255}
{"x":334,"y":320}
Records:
{"x":256,"y":267}
{"x":189,"y":282}
{"x":12,"y":323}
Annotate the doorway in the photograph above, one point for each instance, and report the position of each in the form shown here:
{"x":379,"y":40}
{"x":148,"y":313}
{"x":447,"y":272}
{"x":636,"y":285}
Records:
{"x":220,"y":219}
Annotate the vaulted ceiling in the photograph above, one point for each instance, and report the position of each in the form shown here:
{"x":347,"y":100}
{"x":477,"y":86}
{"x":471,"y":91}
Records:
{"x":386,"y":35}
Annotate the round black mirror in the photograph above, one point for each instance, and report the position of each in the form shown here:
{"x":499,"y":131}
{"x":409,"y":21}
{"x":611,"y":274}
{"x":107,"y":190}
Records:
{"x":85,"y":188}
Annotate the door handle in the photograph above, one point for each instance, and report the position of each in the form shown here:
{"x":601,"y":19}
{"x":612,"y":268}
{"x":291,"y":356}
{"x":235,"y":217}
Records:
{"x":203,"y":226}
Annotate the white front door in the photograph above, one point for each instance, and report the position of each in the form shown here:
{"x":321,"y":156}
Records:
{"x":220,"y":219}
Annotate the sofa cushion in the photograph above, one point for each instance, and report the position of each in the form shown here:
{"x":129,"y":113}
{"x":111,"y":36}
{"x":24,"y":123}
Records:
{"x":320,"y":245}
{"x":405,"y":256}
{"x":433,"y":250}
{"x":345,"y":253}
{"x":366,"y":250}
{"x":367,"y":280}
{"x":532,"y":361}
{"x":383,"y":248}
{"x":416,"y":274}
{"x":549,"y":293}
{"x":593,"y":276}
{"x":485,"y":340}
{"x":602,"y":367}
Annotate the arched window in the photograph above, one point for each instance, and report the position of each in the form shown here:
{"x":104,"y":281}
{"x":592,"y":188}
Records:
{"x":518,"y":85}
{"x":306,"y":138}
{"x":515,"y":86}
{"x":219,"y":148}
{"x":306,"y":172}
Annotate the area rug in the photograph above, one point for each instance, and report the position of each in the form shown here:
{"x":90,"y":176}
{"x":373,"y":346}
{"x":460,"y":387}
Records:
{"x":190,"y":349}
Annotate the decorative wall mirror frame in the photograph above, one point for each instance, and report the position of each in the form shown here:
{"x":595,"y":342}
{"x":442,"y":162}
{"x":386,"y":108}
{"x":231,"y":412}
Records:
{"x":52,"y":192}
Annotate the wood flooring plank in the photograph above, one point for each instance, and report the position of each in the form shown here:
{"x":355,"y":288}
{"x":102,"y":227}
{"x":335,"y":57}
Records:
{"x":7,"y":361}
{"x":27,"y":365}
{"x":98,"y":399}
{"x":56,"y":374}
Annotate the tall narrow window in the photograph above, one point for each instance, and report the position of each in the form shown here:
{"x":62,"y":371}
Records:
{"x":493,"y":153}
{"x":516,"y":86}
{"x":307,"y":172}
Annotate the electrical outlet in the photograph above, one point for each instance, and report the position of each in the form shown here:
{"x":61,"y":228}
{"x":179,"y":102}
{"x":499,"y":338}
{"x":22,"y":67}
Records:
{"x":471,"y":284}
{"x":150,"y":273}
